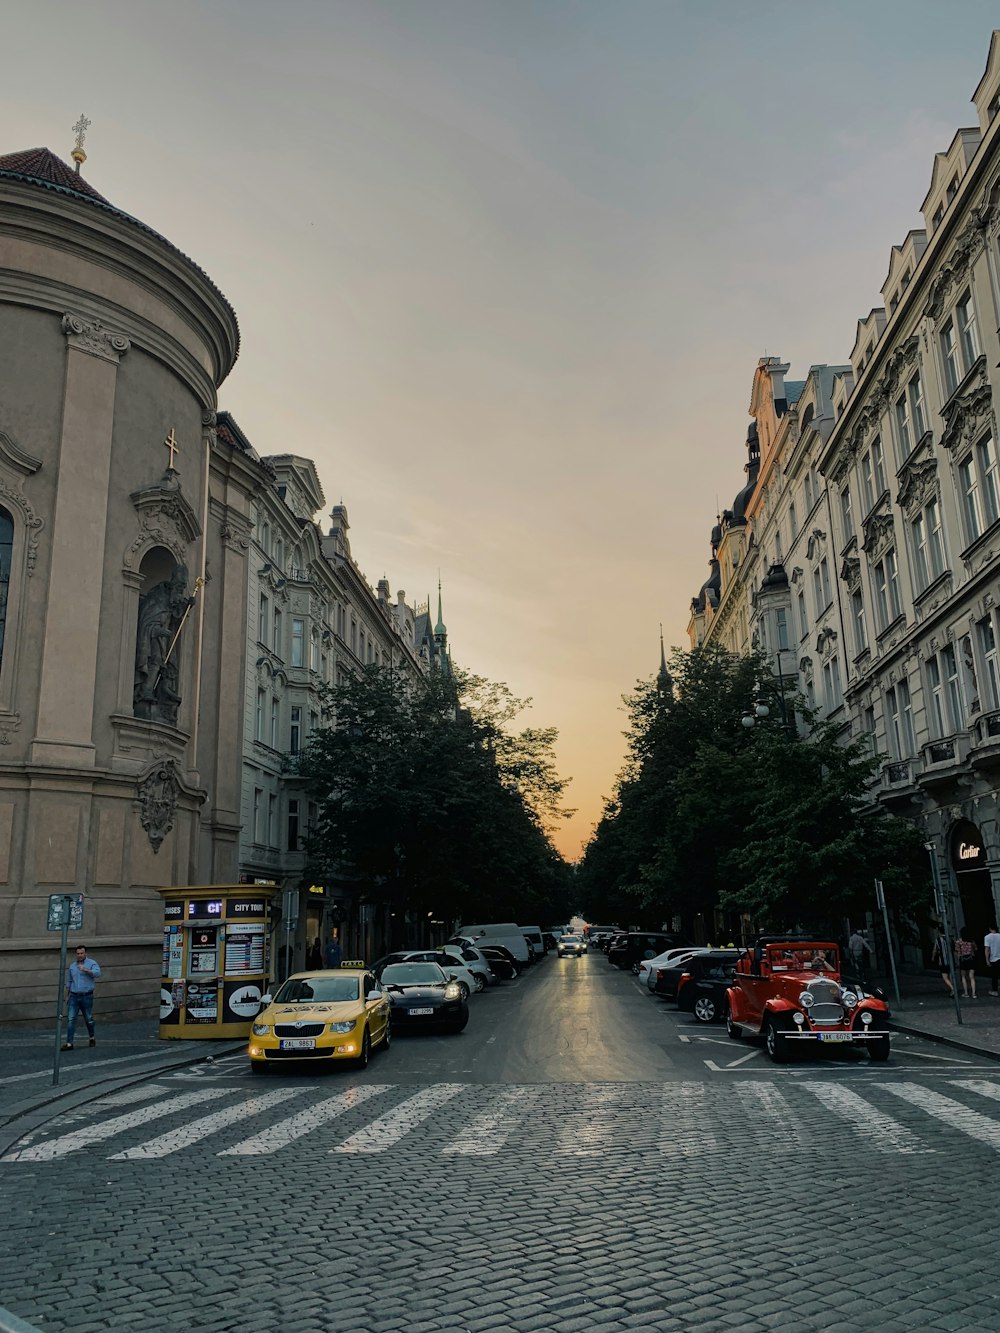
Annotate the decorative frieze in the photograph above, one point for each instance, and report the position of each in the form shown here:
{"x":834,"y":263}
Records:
{"x":970,"y":414}
{"x":897,"y":365}
{"x":157,"y":796}
{"x":878,"y":529}
{"x":917,"y":486}
{"x":850,"y":572}
{"x":91,"y":336}
{"x":166,"y":519}
{"x":970,"y":244}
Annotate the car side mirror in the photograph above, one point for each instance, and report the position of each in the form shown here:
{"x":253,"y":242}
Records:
{"x":375,"y":994}
{"x":452,"y":977}
{"x":265,"y":1000}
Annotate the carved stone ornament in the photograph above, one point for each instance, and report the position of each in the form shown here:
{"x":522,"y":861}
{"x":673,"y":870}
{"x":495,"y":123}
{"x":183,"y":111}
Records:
{"x":970,"y":415}
{"x":805,"y":664}
{"x":878,"y":534}
{"x":157,"y":795}
{"x":235,"y":536}
{"x":850,"y":572}
{"x":815,"y":537}
{"x":868,"y":418}
{"x":15,"y":460}
{"x":919,"y":484}
{"x":897,"y":365}
{"x":208,"y":431}
{"x":91,"y":336}
{"x":796,"y":575}
{"x":166,"y":519}
{"x":970,"y":243}
{"x":825,"y":640}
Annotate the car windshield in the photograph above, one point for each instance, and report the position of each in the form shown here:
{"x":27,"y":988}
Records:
{"x":570,"y":939}
{"x":412,"y":974}
{"x":804,"y":958}
{"x":331,"y":989}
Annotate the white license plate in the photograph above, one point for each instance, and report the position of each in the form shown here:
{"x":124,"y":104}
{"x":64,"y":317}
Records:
{"x":419,"y":1013}
{"x":298,"y":1043}
{"x":835,"y":1036}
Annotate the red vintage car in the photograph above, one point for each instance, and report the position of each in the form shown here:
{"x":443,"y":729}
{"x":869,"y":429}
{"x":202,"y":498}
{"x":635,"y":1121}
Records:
{"x":788,"y":990}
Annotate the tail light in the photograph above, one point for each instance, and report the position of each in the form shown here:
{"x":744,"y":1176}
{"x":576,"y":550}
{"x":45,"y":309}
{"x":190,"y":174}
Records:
{"x":685,"y":976}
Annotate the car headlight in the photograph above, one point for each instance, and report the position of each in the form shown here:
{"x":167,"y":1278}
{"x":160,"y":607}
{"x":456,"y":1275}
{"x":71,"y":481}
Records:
{"x":848,"y":999}
{"x":346,"y":1026}
{"x":452,"y":991}
{"x":807,"y":999}
{"x":261,"y":1029}
{"x":799,"y":1018}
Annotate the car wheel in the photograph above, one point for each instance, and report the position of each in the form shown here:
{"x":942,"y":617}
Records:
{"x":706,"y":1010}
{"x":733,"y":1030}
{"x":459,"y":1024}
{"x":387,"y":1038}
{"x":480,"y":981}
{"x":776,"y":1043}
{"x":366,"y":1049}
{"x":879,"y":1048}
{"x":258,"y":1067}
{"x":635,"y":969}
{"x":464,"y":990}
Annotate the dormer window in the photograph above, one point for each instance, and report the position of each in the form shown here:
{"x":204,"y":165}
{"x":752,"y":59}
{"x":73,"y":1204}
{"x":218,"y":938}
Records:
{"x":994,"y":106}
{"x":938,"y":215}
{"x":953,"y":188}
{"x":904,"y":282}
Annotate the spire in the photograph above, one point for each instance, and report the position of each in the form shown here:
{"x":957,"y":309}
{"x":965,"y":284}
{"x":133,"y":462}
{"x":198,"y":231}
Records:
{"x":439,"y":629}
{"x":80,"y":130}
{"x":663,"y":682}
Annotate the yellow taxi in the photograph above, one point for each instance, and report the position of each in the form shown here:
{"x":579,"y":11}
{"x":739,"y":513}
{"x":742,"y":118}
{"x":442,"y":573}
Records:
{"x":335,"y":1014}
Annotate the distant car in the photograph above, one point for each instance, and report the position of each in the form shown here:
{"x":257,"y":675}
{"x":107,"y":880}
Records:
{"x":648,"y":966}
{"x":666,"y":980}
{"x":336,"y":1014}
{"x":788,"y":990}
{"x":701,"y":989}
{"x":571,"y":946}
{"x":629,"y":952}
{"x":421,"y":996}
{"x":503,"y":964}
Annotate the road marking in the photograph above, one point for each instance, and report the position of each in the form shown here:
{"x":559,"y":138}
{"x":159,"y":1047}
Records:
{"x":175,"y":1139}
{"x":963,"y":1118}
{"x":733,"y":1064}
{"x":490,"y":1130}
{"x":391,"y":1127}
{"x":130,"y":1095}
{"x":978,"y":1085}
{"x":106,"y":1129}
{"x":948,"y":1059}
{"x":588,"y":1131}
{"x":287,"y":1131}
{"x":65,"y":1067}
{"x":684,"y":1039}
{"x":764,"y":1100}
{"x":684,"y":1126}
{"x":881,"y":1131}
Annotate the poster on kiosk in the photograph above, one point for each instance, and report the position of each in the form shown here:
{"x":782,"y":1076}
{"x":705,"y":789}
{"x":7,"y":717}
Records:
{"x":216,"y":964}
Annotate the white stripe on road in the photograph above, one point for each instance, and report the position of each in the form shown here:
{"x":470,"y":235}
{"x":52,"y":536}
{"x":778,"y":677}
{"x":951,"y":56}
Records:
{"x":963,"y":1118}
{"x":978,"y":1085}
{"x":880,"y":1130}
{"x":106,"y":1129}
{"x":130,"y":1095}
{"x":589,"y":1131}
{"x":684,"y":1125}
{"x":391,"y":1127}
{"x":287,"y":1131}
{"x":488,"y":1132}
{"x":66,"y":1067}
{"x":175,"y":1139}
{"x":770,"y":1110}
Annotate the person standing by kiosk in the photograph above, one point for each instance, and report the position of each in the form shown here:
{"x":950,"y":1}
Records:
{"x":81,"y":979}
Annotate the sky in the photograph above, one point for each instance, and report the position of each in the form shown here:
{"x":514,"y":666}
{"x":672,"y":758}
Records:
{"x":504,"y":270}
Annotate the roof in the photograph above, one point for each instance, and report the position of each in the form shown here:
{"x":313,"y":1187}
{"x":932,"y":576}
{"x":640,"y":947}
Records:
{"x":793,"y":391}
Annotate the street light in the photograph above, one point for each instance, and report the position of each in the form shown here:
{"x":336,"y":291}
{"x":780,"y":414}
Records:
{"x":761,"y":709}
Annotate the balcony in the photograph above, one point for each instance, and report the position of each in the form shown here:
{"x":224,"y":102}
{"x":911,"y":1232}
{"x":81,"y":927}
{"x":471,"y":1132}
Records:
{"x":985,"y":752}
{"x":899,"y":790}
{"x":944,"y":763}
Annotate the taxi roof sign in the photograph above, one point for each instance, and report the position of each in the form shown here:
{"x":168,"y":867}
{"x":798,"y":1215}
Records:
{"x":353,"y":962}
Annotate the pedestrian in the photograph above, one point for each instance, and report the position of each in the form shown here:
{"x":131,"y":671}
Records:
{"x":80,"y":981}
{"x":939,"y":957}
{"x":965,"y":957}
{"x":332,"y":955}
{"x":991,"y":944}
{"x":856,"y":947}
{"x":314,"y":956}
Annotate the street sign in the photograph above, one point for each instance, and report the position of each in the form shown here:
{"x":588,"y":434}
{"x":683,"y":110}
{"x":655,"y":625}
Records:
{"x":290,"y":908}
{"x":65,"y":909}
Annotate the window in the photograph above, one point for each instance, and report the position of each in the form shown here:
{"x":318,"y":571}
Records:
{"x":778,"y":556}
{"x":6,"y":555}
{"x":781,"y":619}
{"x":832,"y":697}
{"x":953,"y":685}
{"x":936,"y":715}
{"x":824,"y":578}
{"x":868,"y":493}
{"x":988,"y":648}
{"x":293,"y":826}
{"x":274,"y":721}
{"x":979,"y":483}
{"x":265,"y":538}
{"x":986,"y":455}
{"x":803,"y":617}
{"x":878,"y":466}
{"x":313,"y":722}
{"x":818,"y":592}
{"x":298,"y":642}
{"x":314,"y":653}
{"x":949,"y":355}
{"x":258,"y":729}
{"x":967,"y":333}
{"x":272,"y":818}
{"x":276,"y":635}
{"x":258,"y":814}
{"x":858,"y":613}
{"x":887,"y":597}
{"x":361,"y":650}
{"x":871,"y":730}
{"x":903,"y":431}
{"x":899,"y":713}
{"x":793,"y":523}
{"x":847,"y":513}
{"x":917,"y":414}
{"x":936,"y":219}
{"x":928,"y":547}
{"x":354,"y":635}
{"x":952,"y":189}
{"x":295,"y":730}
{"x":263,"y":624}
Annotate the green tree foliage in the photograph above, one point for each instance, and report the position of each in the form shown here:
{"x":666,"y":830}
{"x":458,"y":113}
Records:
{"x":426,"y":798}
{"x":773,"y":821}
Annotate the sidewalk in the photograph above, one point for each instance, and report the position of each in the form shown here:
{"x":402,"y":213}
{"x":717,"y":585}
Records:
{"x":928,"y":1010}
{"x":125,"y":1053}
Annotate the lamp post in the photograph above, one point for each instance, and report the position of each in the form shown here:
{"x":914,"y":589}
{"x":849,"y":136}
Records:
{"x":761,"y":709}
{"x":939,"y":907}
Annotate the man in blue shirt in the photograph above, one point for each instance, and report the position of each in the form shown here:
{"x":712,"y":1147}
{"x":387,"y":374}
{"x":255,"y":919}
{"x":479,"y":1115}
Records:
{"x":80,"y":981}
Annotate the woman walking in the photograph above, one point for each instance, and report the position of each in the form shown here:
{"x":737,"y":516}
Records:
{"x":965,"y":957}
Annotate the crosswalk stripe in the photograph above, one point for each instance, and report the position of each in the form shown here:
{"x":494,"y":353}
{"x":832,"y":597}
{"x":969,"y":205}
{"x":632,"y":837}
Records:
{"x":391,"y":1127}
{"x":287,"y":1131}
{"x":129,"y":1096}
{"x":767,"y":1107}
{"x":978,"y":1085}
{"x":589,"y":1131}
{"x":963,"y":1118}
{"x":175,"y":1139}
{"x":490,"y":1130}
{"x":881,"y":1131}
{"x":684,"y":1127}
{"x":106,"y":1129}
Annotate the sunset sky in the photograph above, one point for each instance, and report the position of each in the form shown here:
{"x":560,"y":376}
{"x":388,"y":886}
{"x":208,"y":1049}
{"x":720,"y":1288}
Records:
{"x":504,"y":269}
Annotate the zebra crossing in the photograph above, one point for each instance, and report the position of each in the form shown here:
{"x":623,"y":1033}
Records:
{"x":684,"y":1119}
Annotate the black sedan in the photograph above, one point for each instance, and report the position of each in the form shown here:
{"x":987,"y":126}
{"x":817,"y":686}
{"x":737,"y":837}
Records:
{"x":502,"y":962}
{"x":703,"y":983}
{"x":421,"y":996}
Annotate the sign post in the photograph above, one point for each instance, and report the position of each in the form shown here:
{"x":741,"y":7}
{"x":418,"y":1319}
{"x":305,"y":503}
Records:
{"x":880,"y":899}
{"x":290,"y":916}
{"x":65,"y":914}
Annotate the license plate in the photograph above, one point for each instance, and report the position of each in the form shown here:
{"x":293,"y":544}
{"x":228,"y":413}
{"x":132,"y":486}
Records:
{"x":835,"y":1036}
{"x":419,"y":1013}
{"x":298,"y":1043}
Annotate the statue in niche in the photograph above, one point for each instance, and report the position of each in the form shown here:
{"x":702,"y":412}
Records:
{"x":162,"y":612}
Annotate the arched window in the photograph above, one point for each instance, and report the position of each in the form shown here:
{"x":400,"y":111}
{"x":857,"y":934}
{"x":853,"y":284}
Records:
{"x":6,"y":552}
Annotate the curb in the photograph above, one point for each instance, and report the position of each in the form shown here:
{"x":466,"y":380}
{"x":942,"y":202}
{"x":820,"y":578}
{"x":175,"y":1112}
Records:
{"x":944,"y":1041}
{"x":26,"y":1116}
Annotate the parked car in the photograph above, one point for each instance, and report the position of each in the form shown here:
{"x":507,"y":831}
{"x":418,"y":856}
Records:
{"x":608,"y":942}
{"x":648,"y":966}
{"x":571,"y":946}
{"x":639,"y":944}
{"x":507,"y":933}
{"x":330,"y":1015}
{"x":667,"y":979}
{"x":451,"y":961}
{"x":596,"y":935}
{"x":535,"y":938}
{"x":701,"y":989}
{"x":788,"y":990}
{"x":504,"y":965}
{"x":421,"y":996}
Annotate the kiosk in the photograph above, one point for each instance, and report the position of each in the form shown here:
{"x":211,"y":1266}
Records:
{"x":216,"y":958}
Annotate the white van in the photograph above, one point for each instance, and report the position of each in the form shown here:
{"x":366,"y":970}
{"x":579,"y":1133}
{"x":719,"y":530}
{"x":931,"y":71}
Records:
{"x":506,"y":933}
{"x":533,"y":934}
